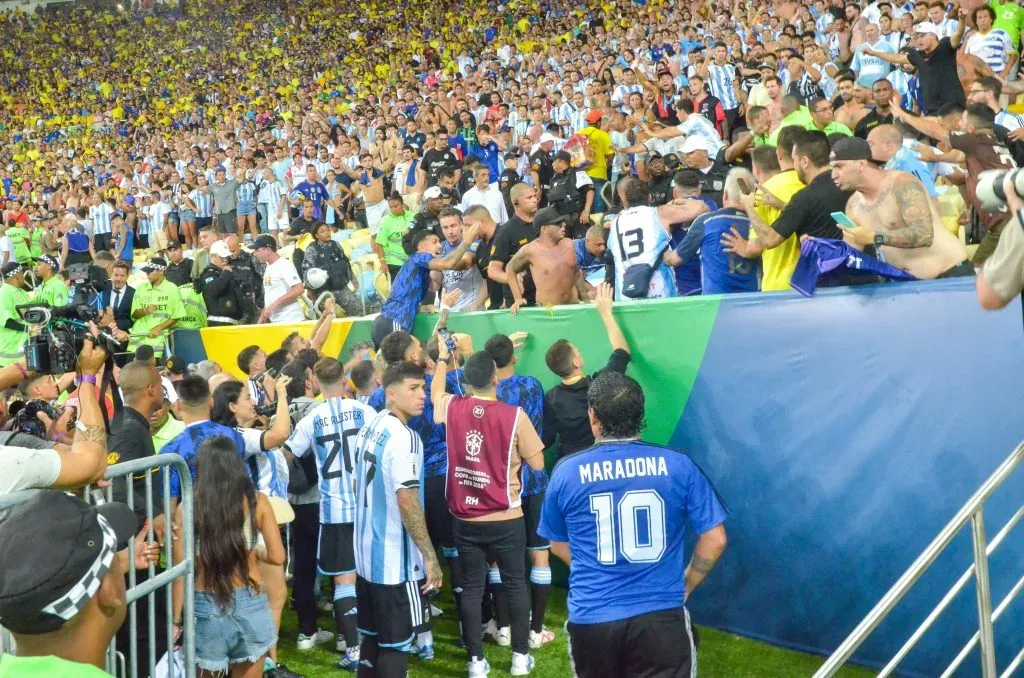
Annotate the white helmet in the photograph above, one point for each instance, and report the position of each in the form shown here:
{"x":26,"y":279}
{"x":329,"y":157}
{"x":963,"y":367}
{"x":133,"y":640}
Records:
{"x":316,"y":278}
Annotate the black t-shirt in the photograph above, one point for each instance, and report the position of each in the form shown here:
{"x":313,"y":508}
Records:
{"x":565,"y":409}
{"x":302,"y":225}
{"x":510,"y":238}
{"x":540,"y":162}
{"x":483,"y":258}
{"x":434,"y":161}
{"x":940,"y":82}
{"x":131,"y":439}
{"x":870,"y":122}
{"x":506,"y":181}
{"x":810,"y":210}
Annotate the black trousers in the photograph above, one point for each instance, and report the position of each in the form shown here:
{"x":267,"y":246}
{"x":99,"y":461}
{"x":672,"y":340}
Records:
{"x":506,"y":542}
{"x":654,"y":645}
{"x":305,"y":538}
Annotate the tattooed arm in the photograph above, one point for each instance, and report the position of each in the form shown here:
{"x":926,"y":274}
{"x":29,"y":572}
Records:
{"x":705,"y":554}
{"x":915,"y":209}
{"x":414,"y":521}
{"x":86,"y":461}
{"x":767,"y":235}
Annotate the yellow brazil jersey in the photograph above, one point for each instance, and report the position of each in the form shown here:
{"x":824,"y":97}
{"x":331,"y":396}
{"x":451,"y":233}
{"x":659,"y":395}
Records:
{"x":601,"y":144}
{"x":780,"y":262}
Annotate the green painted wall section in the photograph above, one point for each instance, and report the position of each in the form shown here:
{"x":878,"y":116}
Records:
{"x":667,"y":338}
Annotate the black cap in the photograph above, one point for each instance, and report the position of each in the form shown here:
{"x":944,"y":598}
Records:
{"x":176,"y":365}
{"x":851,"y":148}
{"x":548,"y":217}
{"x":563,"y":156}
{"x":514,"y":154}
{"x":51,"y":260}
{"x":64,"y":549}
{"x":11,"y":269}
{"x":265,"y":241}
{"x":174,"y":245}
{"x":155,"y":264}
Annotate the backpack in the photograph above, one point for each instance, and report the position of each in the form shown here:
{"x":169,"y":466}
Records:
{"x":580,"y":150}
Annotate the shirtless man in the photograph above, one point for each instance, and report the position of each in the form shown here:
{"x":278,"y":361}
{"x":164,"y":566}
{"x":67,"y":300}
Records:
{"x":853,"y":108}
{"x":910,"y":234}
{"x":551,"y":259}
{"x":369,"y":183}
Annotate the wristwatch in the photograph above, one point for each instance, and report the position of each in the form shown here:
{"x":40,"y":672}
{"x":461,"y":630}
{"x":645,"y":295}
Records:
{"x":879,"y":239}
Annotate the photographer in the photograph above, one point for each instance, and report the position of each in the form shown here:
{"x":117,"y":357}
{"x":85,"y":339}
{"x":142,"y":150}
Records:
{"x":63,"y":468}
{"x":1002,"y":277}
{"x":12,"y":329}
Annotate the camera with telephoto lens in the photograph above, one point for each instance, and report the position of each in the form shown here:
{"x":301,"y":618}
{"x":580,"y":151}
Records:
{"x":58,"y":334}
{"x":990,"y":188}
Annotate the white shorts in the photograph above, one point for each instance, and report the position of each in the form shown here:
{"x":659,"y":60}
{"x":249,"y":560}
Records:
{"x":374,"y":213}
{"x":275,"y":224}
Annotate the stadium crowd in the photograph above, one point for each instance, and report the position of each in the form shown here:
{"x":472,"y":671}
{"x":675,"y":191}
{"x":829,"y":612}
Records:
{"x":482,"y":157}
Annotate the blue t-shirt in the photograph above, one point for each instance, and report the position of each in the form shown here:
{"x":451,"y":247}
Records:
{"x":187,"y":445}
{"x":489,"y":155}
{"x":623,"y":508}
{"x":316,"y":192}
{"x":721,"y":272}
{"x":593,"y":267}
{"x":527,"y":393}
{"x":409,"y":289}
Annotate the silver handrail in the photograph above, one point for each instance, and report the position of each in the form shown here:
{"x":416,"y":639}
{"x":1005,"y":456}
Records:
{"x":973,"y":512}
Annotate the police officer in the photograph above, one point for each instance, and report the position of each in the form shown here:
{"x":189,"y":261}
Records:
{"x":220,"y":289}
{"x":541,"y":166}
{"x":249,"y":274}
{"x":659,"y":182}
{"x":571,"y":193}
{"x":510,"y":177}
{"x":179,"y":267}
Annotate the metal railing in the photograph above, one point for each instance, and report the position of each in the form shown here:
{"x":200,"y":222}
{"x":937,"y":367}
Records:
{"x":142,"y":471}
{"x":973,"y":512}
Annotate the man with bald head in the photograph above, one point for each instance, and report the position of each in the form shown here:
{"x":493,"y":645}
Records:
{"x":886,"y":142}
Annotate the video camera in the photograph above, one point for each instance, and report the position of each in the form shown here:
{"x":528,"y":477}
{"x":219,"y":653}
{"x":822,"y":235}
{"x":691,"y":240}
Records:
{"x":60,"y":332}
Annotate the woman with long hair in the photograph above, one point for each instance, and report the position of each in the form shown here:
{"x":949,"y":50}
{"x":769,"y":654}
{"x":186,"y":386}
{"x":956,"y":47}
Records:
{"x":233,"y":406}
{"x":234,"y":627}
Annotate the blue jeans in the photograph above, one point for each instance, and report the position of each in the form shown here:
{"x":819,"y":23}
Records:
{"x":241,"y":633}
{"x":598,"y":206}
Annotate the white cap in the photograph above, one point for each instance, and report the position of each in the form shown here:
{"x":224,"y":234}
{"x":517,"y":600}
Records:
{"x":432,"y":192}
{"x":694,"y":142}
{"x":220,"y":249}
{"x":928,"y":27}
{"x":546,"y":137}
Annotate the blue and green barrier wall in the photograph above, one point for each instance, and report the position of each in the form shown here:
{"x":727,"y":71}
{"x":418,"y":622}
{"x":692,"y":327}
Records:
{"x":843,"y":431}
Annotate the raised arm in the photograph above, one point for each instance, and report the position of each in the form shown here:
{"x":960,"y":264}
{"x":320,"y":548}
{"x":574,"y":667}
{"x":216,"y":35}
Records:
{"x":930,"y":127}
{"x":603,"y":304}
{"x":453,"y":259}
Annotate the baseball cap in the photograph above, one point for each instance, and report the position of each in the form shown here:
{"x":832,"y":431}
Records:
{"x":548,"y":216}
{"x":64,"y":549}
{"x":220,"y":248}
{"x":155,"y":264}
{"x":176,"y":365}
{"x":262,"y":241}
{"x":546,"y":137}
{"x":563,"y":156}
{"x":594,"y":116}
{"x":11,"y":269}
{"x":432,"y":193}
{"x":693,"y":143}
{"x":174,"y":245}
{"x":514,"y":154}
{"x":52,"y":261}
{"x":851,"y":148}
{"x":928,"y":27}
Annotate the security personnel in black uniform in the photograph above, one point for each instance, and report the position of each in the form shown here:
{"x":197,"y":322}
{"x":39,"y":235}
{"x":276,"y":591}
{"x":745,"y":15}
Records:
{"x":510,"y":177}
{"x":249,"y":275}
{"x":219,"y":285}
{"x":541,"y":167}
{"x":178,"y":273}
{"x":659,"y":182}
{"x":711,"y":168}
{"x":572,"y":194}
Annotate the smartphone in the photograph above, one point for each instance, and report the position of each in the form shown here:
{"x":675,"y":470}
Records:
{"x":843,"y":221}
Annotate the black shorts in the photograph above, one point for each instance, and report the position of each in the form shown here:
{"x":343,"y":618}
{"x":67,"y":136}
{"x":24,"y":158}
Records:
{"x":435,"y":506}
{"x":382,"y":327}
{"x":226,"y":222}
{"x":392,"y":614}
{"x":203,"y":222}
{"x":335,"y":554}
{"x":101,"y":242}
{"x":531,"y":512}
{"x":655,"y":645}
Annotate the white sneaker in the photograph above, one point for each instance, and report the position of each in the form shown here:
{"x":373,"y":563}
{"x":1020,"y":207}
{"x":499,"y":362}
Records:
{"x":522,"y":664}
{"x":478,"y":668}
{"x":504,"y":637}
{"x":539,"y":640}
{"x":489,"y":629}
{"x":305,"y":642}
{"x":340,"y":645}
{"x":435,"y":611}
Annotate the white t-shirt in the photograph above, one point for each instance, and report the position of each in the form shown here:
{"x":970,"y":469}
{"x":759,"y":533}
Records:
{"x":6,"y":246}
{"x":22,"y":468}
{"x":279,"y":278}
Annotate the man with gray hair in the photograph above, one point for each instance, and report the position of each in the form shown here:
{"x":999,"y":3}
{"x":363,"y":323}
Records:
{"x":721,"y":271}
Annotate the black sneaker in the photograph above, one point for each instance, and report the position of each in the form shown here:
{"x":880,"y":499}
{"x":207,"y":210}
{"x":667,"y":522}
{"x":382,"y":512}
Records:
{"x":281,"y":671}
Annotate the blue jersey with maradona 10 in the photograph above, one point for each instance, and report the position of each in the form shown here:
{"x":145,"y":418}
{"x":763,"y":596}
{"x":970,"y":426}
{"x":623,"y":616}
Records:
{"x":721,"y":272}
{"x":410,"y":288}
{"x":623,"y":507}
{"x":186,"y":444}
{"x":330,"y":431}
{"x":527,"y":393}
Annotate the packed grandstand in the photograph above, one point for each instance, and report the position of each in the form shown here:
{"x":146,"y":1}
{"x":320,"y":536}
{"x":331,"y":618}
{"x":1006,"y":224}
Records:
{"x":171,"y":168}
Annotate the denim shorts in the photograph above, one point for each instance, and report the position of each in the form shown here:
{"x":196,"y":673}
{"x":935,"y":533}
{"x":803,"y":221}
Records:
{"x":246,"y":207}
{"x":243,"y":633}
{"x":188,"y":215}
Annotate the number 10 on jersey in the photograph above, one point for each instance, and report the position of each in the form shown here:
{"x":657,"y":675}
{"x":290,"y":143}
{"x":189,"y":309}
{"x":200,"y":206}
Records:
{"x":640,"y":522}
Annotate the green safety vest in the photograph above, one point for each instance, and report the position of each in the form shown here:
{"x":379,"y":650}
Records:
{"x":35,"y":242}
{"x":19,"y":236}
{"x":194,"y":306}
{"x":53,"y":292}
{"x":11,"y":341}
{"x":165,"y":297}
